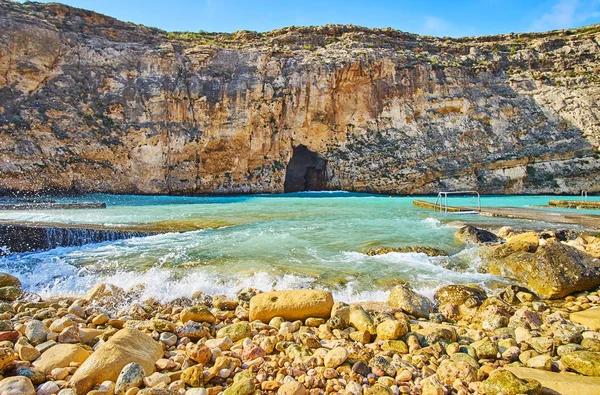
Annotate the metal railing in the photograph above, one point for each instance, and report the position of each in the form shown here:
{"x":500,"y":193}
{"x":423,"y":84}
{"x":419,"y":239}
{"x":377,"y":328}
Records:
{"x":442,"y":197}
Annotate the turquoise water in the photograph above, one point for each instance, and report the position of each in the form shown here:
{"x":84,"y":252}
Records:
{"x":263,"y":241}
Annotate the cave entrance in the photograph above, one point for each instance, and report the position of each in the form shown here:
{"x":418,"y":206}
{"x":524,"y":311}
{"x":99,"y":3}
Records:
{"x":307,"y":171}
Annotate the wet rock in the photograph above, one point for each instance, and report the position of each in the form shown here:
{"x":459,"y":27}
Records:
{"x":584,"y":362}
{"x":291,"y":305}
{"x":132,"y":375}
{"x":471,"y":234}
{"x":6,"y":280}
{"x":17,"y":385}
{"x":106,"y":363}
{"x":410,"y":302}
{"x":60,"y":356}
{"x":198,"y":313}
{"x":235,"y":332}
{"x":504,"y":382}
{"x":10,"y":293}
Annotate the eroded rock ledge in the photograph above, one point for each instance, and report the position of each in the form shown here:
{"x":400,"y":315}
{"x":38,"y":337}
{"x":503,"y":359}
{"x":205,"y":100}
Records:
{"x":90,"y":103}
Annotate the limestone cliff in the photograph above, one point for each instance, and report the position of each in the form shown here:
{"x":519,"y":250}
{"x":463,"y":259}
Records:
{"x":89,"y":103}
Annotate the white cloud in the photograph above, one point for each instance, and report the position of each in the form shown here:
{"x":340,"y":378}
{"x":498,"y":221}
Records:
{"x":567,"y":13}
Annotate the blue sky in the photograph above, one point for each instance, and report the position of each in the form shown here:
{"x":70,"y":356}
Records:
{"x":433,"y":17}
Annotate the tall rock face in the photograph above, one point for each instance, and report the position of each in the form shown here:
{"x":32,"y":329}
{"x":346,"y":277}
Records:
{"x":89,"y":103}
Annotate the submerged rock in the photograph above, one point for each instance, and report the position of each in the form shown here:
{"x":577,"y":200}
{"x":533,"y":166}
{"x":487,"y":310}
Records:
{"x":431,"y":251}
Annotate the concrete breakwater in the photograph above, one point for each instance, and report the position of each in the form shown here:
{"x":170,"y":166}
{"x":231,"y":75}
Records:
{"x":22,"y":238}
{"x":578,"y":204}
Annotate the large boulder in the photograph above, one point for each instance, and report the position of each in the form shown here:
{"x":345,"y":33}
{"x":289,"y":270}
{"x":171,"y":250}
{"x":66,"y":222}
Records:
{"x":553,"y":271}
{"x":291,"y":305}
{"x":471,"y":234}
{"x":60,"y":356}
{"x":410,"y":302}
{"x":126,"y":346}
{"x":561,"y":383}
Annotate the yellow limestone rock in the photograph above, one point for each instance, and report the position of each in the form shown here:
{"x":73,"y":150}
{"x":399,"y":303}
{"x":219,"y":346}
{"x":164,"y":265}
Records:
{"x":60,"y":356}
{"x":563,"y":383}
{"x":126,"y":346}
{"x":291,"y":305}
{"x":590,"y":317}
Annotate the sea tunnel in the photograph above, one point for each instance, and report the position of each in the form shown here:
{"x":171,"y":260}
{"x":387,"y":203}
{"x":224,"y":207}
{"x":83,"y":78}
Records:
{"x":307,"y":171}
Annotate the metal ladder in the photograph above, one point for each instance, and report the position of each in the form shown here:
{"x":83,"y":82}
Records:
{"x":442,"y":197}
